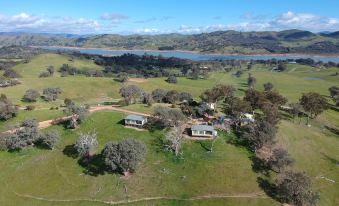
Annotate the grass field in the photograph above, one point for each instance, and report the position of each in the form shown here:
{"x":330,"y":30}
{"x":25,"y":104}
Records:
{"x":57,"y":177}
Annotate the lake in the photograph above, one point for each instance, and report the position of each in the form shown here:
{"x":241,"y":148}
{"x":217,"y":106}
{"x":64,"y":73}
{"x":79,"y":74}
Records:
{"x":191,"y":55}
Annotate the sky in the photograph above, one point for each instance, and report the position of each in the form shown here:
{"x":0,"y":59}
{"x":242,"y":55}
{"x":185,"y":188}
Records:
{"x":166,"y":16}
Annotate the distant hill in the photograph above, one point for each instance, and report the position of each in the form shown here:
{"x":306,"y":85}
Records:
{"x":226,"y":42}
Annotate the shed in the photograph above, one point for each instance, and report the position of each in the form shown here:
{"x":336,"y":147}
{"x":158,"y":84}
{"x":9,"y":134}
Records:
{"x":135,"y":120}
{"x":203,"y":131}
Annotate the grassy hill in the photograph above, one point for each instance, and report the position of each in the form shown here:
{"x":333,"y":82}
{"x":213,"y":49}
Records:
{"x":227,"y":42}
{"x":41,"y":177}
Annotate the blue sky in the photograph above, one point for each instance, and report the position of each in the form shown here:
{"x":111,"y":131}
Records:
{"x":166,"y":16}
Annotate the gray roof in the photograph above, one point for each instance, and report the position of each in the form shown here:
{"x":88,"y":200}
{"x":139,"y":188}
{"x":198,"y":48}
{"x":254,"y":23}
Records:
{"x":202,"y":128}
{"x":135,"y":117}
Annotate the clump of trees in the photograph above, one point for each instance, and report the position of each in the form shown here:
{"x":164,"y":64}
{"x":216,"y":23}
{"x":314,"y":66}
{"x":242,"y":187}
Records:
{"x":31,"y":95}
{"x":11,"y":73}
{"x":172,"y":79}
{"x":48,"y":139}
{"x":313,"y":104}
{"x":124,"y":156}
{"x":9,"y":82}
{"x":334,"y":94}
{"x":78,"y":113}
{"x":122,"y":77}
{"x":130,"y":93}
{"x":27,"y":134}
{"x":51,"y":94}
{"x":7,"y":109}
{"x":66,"y":70}
{"x":295,"y":188}
{"x":169,"y":117}
{"x":48,"y":73}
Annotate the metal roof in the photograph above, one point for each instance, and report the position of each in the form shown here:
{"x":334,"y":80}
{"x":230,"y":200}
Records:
{"x":202,"y":128}
{"x":135,"y":117}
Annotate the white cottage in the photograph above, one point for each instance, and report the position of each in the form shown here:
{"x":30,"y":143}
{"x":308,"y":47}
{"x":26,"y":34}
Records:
{"x":135,"y":120}
{"x":203,"y":131}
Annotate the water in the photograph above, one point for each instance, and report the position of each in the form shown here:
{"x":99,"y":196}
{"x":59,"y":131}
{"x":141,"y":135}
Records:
{"x":193,"y":56}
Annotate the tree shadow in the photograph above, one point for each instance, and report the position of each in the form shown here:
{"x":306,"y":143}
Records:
{"x":94,"y":165}
{"x":333,"y":130}
{"x":121,"y":122}
{"x":269,"y":188}
{"x":259,"y":166}
{"x":334,"y":108}
{"x":70,"y":151}
{"x":204,"y":145}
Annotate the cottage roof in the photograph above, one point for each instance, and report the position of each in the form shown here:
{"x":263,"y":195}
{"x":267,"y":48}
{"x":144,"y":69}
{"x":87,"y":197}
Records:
{"x":202,"y":128}
{"x":135,"y":117}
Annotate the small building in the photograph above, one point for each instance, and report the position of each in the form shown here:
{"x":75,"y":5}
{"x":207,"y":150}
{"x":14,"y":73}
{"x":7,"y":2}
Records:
{"x":203,"y":131}
{"x":246,"y":119}
{"x":135,"y":120}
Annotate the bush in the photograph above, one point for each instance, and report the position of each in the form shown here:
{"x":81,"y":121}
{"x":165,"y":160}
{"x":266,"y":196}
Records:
{"x":48,"y":139}
{"x":51,"y":94}
{"x":31,"y":95}
{"x":26,"y":134}
{"x":10,"y":73}
{"x":9,"y":82}
{"x":7,"y":109}
{"x":30,"y":107}
{"x":44,"y":74}
{"x":172,"y":80}
{"x":124,"y":156}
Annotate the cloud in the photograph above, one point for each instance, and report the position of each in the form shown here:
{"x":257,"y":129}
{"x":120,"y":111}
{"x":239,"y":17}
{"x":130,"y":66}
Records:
{"x":284,"y":21}
{"x":288,"y":20}
{"x":146,"y":20}
{"x":24,"y":22}
{"x":148,"y":31}
{"x":114,"y":18}
{"x":164,"y":18}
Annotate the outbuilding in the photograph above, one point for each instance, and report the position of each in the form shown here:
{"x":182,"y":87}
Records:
{"x":203,"y":131}
{"x":135,"y":120}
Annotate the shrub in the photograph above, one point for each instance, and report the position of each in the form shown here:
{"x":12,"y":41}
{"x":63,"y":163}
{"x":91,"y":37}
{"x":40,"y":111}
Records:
{"x":30,"y":107}
{"x":10,"y":73}
{"x":51,"y":94}
{"x":48,"y":139}
{"x":124,"y":156}
{"x":31,"y":95}
{"x":7,"y":109}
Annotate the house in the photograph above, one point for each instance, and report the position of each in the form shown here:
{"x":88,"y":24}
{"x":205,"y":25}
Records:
{"x":246,"y":119}
{"x":203,"y":131}
{"x":135,"y":120}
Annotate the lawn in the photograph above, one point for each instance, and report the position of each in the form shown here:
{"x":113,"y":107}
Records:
{"x":56,"y":176}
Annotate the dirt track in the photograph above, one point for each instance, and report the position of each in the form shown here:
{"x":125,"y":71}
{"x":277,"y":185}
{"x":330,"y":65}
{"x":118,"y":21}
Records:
{"x":47,"y":123}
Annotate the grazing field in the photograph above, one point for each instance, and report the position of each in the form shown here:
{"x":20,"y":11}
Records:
{"x":40,"y":177}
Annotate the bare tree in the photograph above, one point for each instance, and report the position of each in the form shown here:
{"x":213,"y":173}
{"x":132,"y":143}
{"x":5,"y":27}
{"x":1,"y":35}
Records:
{"x":174,"y":138}
{"x":86,"y":144}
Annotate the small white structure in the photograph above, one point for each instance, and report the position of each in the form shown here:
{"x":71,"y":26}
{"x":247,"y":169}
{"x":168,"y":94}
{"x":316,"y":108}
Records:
{"x":135,"y":120}
{"x":203,"y":131}
{"x":246,"y":118}
{"x":211,"y":106}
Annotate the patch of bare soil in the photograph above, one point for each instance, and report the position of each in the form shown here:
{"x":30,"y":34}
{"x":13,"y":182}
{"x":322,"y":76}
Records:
{"x":137,"y":80}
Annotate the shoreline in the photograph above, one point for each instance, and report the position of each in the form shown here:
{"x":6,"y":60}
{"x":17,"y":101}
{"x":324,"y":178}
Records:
{"x":193,"y":52}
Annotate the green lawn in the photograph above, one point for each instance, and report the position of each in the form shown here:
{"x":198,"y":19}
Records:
{"x":55,"y":176}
